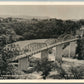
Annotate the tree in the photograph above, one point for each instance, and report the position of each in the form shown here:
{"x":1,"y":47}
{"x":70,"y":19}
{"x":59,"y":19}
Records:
{"x":3,"y":62}
{"x":80,"y":49}
{"x":4,"y":56}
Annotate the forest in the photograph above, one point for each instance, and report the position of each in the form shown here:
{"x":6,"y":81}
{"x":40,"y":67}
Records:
{"x":39,"y":29}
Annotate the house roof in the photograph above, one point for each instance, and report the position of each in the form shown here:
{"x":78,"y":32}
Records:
{"x":82,"y":28}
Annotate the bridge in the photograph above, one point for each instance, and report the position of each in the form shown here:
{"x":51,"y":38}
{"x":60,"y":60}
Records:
{"x":43,"y":48}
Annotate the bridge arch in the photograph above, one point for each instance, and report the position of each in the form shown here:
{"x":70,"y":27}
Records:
{"x":68,"y":37}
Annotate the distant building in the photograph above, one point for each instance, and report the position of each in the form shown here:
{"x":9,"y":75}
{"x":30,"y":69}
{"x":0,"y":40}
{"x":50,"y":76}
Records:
{"x":80,"y":32}
{"x":1,"y":19}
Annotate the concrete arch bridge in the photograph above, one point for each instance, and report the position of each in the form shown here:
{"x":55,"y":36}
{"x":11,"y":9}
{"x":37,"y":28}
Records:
{"x":43,"y":47}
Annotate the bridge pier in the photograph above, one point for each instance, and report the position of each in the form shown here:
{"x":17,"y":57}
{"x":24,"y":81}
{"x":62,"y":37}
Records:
{"x":44,"y":55}
{"x":59,"y":51}
{"x":23,"y":64}
{"x":72,"y":49}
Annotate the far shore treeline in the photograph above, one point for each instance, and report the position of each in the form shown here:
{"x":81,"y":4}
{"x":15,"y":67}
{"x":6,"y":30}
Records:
{"x":25,"y":29}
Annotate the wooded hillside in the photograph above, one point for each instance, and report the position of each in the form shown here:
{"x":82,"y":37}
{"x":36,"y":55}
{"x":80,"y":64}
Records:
{"x":39,"y":29}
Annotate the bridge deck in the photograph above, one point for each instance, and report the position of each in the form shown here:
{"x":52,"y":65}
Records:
{"x":44,"y":48}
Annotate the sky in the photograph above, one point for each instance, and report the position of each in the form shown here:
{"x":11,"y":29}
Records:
{"x":55,"y":11}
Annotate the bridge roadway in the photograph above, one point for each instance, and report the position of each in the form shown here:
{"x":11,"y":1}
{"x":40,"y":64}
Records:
{"x":42,"y":49}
